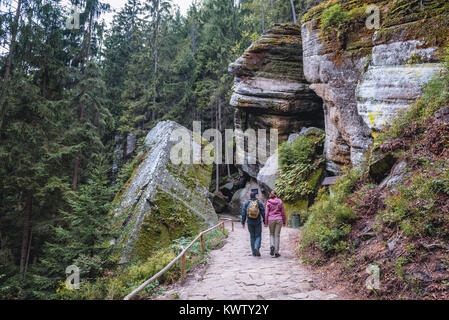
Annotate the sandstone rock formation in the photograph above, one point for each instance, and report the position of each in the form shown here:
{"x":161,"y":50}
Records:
{"x":365,"y":75}
{"x":162,"y":201}
{"x":270,"y":90}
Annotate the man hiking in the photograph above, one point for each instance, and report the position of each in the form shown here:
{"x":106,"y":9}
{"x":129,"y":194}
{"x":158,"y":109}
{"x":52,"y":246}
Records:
{"x":275,"y":219}
{"x":254,"y":212}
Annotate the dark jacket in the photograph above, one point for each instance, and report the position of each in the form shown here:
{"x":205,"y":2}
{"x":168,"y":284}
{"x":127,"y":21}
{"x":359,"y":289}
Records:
{"x":253,"y":221}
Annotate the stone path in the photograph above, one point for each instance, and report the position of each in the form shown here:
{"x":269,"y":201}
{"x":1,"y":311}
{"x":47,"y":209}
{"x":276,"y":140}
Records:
{"x":232,"y":273}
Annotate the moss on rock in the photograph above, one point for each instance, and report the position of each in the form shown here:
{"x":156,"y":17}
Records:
{"x":169,"y":220}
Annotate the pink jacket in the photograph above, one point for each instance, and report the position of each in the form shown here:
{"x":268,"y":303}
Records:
{"x":275,"y":211}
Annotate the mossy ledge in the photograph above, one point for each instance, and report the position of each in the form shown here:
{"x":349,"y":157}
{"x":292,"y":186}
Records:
{"x":400,"y":20}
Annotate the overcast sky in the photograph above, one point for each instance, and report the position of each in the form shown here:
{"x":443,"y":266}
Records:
{"x":118,"y":4}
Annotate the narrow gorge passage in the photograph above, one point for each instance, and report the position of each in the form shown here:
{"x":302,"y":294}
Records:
{"x":232,"y":273}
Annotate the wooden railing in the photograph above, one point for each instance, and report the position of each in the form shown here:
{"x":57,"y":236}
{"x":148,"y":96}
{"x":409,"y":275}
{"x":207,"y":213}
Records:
{"x":181,"y":256}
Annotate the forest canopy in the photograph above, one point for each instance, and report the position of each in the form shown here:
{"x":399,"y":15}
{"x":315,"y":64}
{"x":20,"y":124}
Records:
{"x":69,"y":96}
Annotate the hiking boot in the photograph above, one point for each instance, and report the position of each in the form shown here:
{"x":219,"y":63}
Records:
{"x":277,"y":255}
{"x":257,"y":252}
{"x":272,"y":251}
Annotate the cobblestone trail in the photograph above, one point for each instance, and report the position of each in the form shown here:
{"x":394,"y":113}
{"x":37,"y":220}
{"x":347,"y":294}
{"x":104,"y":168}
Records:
{"x":232,"y":273}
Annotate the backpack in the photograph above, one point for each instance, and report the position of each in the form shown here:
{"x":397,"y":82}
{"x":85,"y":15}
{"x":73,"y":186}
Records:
{"x":253,"y":209}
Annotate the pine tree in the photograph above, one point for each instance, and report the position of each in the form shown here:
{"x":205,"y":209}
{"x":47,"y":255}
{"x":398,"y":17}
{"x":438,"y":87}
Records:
{"x":82,"y":237}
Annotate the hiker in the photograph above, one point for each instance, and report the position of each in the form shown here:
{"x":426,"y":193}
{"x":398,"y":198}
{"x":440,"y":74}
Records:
{"x":275,"y":219}
{"x":254,"y":212}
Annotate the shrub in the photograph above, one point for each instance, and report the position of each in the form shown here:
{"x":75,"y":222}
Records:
{"x":142,"y":272}
{"x":413,"y":208}
{"x":329,"y":219}
{"x":299,"y":161}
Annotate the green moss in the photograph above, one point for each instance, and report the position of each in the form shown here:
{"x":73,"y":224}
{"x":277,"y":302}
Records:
{"x":404,"y":11}
{"x":169,"y":219}
{"x":342,"y":24}
{"x":315,"y":12}
{"x":334,"y":17}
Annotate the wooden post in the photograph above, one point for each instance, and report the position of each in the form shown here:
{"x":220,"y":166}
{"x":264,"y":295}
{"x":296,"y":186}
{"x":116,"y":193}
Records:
{"x":202,"y":243}
{"x":224,"y":227}
{"x":232,"y":225}
{"x":183,"y":268}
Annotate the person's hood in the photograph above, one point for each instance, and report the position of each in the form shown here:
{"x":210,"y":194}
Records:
{"x":275,"y":201}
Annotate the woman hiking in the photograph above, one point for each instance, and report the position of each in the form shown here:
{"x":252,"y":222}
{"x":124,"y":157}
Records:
{"x":275,"y":219}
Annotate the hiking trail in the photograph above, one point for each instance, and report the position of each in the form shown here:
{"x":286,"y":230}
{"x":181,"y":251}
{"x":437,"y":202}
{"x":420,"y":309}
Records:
{"x":232,"y":273}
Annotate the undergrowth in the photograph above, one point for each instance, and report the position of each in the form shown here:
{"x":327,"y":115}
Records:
{"x":298,"y":161}
{"x":329,"y":219}
{"x":401,"y":228}
{"x":119,"y":283}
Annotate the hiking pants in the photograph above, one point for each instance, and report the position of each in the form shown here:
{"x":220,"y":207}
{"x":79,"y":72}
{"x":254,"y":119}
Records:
{"x":275,"y":234}
{"x":255,"y":232}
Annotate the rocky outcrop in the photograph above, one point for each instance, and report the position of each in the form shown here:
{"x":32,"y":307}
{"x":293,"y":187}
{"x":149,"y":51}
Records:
{"x":365,"y":76}
{"x":130,"y":144}
{"x":270,"y":90}
{"x":394,"y":80}
{"x":162,"y":201}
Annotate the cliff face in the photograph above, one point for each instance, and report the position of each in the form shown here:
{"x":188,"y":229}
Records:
{"x":270,"y":89}
{"x":365,"y":76}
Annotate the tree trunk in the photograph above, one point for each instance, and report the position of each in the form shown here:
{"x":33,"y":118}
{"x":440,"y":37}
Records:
{"x":156,"y":57}
{"x":263,"y":16}
{"x":26,"y":233}
{"x":125,"y":146}
{"x":234,"y":27}
{"x":217,"y":166}
{"x":76,"y":167}
{"x":9,"y":64}
{"x":293,"y":12}
{"x":29,"y":250}
{"x":83,"y":106}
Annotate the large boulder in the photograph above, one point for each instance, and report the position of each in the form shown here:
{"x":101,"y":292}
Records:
{"x":228,"y":189}
{"x":365,"y":76}
{"x":269,"y":173}
{"x":162,"y":201}
{"x":241,"y":196}
{"x":218,"y":202}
